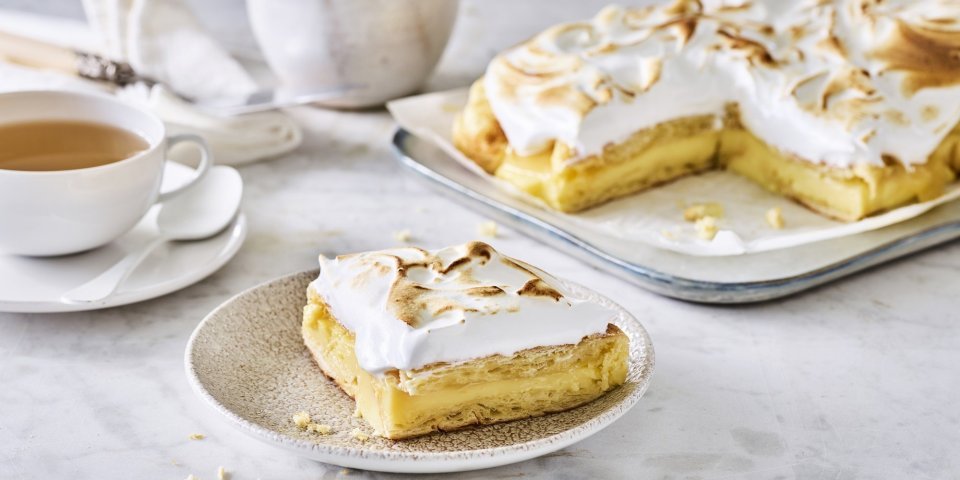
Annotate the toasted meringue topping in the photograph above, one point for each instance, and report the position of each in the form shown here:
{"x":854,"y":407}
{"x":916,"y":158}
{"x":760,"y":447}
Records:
{"x":410,"y":307}
{"x":837,"y":82}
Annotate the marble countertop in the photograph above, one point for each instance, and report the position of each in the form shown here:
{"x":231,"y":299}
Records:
{"x":857,"y":379}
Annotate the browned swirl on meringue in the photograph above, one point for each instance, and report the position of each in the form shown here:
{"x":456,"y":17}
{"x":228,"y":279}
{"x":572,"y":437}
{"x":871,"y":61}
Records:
{"x":843,"y":94}
{"x":928,"y":55}
{"x":431,"y":285}
{"x":753,"y":51}
{"x":842,"y":74}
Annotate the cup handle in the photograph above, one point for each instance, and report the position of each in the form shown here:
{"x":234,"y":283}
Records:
{"x":206,"y":159}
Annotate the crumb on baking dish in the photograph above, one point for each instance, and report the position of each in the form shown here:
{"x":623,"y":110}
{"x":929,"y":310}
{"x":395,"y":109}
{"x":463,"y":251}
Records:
{"x":774,"y":217}
{"x":403,"y":236}
{"x":301,"y":419}
{"x":706,"y":227}
{"x":197,"y":436}
{"x":358,"y":435}
{"x":488,"y":229}
{"x":700,"y":210}
{"x":222,"y":473}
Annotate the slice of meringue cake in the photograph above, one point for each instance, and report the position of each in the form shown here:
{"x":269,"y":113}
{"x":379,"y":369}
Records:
{"x":429,"y":341}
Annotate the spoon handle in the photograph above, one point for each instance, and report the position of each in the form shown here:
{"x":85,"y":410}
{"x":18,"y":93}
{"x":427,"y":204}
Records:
{"x":107,"y":282}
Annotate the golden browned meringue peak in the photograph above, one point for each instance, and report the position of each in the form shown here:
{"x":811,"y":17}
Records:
{"x":837,"y":82}
{"x":409,"y":307}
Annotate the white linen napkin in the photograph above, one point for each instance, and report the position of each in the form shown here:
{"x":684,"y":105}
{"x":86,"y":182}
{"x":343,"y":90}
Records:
{"x":234,"y":140}
{"x":160,"y":39}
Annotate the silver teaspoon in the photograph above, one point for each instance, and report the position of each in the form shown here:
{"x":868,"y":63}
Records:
{"x":199,"y":213}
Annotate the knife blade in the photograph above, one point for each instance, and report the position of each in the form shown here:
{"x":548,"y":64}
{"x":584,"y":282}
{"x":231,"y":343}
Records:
{"x":271,"y":98}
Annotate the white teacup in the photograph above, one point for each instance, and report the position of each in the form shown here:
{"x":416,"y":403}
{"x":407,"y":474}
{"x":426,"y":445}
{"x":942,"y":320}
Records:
{"x":386,"y":48}
{"x":45,"y":213}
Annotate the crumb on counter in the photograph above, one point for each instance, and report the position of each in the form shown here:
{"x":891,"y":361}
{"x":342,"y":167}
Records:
{"x":701,"y":210}
{"x":358,"y":435}
{"x":321,"y":428}
{"x":197,"y":436}
{"x":402,"y":236}
{"x":488,"y":229}
{"x":222,"y":473}
{"x":301,"y":419}
{"x":706,"y":227}
{"x":775,"y":218}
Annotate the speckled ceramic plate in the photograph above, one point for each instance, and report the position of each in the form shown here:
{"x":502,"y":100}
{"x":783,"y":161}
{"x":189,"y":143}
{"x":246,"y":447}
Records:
{"x":247,"y":361}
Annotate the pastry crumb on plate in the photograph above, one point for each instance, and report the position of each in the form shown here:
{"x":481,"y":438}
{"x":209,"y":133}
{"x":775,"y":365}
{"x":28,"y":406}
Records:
{"x":320,"y":428}
{"x":706,"y":227}
{"x":357,"y":434}
{"x":774,"y":217}
{"x":301,"y":419}
{"x":700,"y":210}
{"x":488,"y":229}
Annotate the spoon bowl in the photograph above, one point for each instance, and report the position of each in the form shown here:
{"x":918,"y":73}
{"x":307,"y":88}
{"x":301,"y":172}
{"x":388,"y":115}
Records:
{"x":204,"y":211}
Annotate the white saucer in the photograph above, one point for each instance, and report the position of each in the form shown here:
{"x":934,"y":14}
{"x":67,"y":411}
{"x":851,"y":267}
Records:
{"x":35,"y":284}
